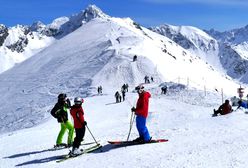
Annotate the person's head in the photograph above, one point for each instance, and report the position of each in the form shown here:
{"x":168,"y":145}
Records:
{"x":62,"y":98}
{"x":226,"y":101}
{"x":139,"y":89}
{"x":78,"y":101}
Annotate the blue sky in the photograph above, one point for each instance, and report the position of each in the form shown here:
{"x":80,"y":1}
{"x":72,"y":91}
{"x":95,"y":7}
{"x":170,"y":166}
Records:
{"x":205,"y":14}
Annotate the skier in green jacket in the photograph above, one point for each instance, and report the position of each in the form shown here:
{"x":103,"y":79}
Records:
{"x":59,"y":112}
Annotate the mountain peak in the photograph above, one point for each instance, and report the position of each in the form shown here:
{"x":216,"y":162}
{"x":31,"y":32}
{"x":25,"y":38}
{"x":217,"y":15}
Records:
{"x":36,"y":26}
{"x":92,"y":11}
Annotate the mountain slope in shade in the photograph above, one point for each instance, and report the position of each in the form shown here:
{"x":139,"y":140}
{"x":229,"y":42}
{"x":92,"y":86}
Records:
{"x":226,"y":54}
{"x":194,"y":40}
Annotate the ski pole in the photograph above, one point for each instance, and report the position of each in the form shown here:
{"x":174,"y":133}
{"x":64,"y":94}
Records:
{"x":131,"y":125}
{"x":92,"y":135}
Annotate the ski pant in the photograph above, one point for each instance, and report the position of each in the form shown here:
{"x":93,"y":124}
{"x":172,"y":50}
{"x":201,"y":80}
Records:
{"x":79,"y":137}
{"x":142,"y":129}
{"x":63,"y":128}
{"x":216,"y":112}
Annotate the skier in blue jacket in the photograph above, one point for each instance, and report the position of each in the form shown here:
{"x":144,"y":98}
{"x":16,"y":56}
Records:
{"x":243,"y":104}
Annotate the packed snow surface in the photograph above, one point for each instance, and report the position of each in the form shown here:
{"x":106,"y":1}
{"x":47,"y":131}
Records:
{"x":183,"y":116}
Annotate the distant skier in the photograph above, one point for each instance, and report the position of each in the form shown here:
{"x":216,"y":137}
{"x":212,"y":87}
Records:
{"x":141,"y":112}
{"x":127,"y":87}
{"x":224,"y":109}
{"x":152,"y":79}
{"x":77,"y":113}
{"x":59,"y":112}
{"x":164,"y":89}
{"x":123,"y":92}
{"x":117,"y":97}
{"x":134,"y":58}
{"x":99,"y":89}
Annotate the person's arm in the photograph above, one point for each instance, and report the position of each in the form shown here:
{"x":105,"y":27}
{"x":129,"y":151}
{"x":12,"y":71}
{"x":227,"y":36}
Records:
{"x":55,"y":111}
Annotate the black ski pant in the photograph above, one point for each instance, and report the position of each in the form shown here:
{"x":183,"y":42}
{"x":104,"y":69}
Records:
{"x":79,"y":137}
{"x":216,"y":112}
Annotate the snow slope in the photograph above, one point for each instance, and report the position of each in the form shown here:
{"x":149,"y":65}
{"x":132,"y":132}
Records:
{"x":98,"y":53}
{"x":183,"y":116}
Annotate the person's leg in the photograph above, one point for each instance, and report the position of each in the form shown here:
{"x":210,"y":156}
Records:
{"x":61,"y":133}
{"x":142,"y":129}
{"x":79,"y":137}
{"x":70,"y":127}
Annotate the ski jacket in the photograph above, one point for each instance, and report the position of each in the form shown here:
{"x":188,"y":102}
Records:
{"x":77,"y":113}
{"x":225,"y":108}
{"x":59,"y":111}
{"x":243,"y":104}
{"x":142,"y":104}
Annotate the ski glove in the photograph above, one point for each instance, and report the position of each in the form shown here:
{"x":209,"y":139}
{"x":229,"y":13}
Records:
{"x":85,"y":123}
{"x":133,"y":109}
{"x":68,"y":103}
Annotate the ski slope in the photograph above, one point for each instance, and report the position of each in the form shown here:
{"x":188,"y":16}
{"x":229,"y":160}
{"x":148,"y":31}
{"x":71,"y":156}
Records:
{"x":183,"y":116}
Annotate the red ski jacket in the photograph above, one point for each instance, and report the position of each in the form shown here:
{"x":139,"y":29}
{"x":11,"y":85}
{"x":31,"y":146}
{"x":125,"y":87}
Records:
{"x":77,"y":113}
{"x":143,"y":104}
{"x":225,"y":108}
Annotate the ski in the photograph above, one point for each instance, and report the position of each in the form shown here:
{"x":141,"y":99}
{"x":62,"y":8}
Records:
{"x":85,"y":151}
{"x":129,"y":143}
{"x":65,"y":146}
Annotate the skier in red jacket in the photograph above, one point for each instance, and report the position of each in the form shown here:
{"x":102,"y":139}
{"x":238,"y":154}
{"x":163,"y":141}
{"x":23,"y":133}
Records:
{"x":77,"y":113}
{"x":141,"y":112}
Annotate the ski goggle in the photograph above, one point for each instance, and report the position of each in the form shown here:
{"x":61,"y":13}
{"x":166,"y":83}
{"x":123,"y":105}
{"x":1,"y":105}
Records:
{"x":139,"y":89}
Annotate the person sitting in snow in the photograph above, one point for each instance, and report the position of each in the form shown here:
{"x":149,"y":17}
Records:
{"x":141,"y":112}
{"x":77,"y":113}
{"x":224,"y":109}
{"x":59,"y":112}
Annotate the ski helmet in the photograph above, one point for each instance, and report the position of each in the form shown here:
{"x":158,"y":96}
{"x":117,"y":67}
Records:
{"x":62,"y":96}
{"x":139,"y":88}
{"x":78,"y":100}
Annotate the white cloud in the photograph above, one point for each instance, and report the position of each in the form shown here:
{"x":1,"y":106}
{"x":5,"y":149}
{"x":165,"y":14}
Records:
{"x":212,"y":2}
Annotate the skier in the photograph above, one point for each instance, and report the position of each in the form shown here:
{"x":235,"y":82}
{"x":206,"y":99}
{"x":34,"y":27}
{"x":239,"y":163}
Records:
{"x":152,"y":79}
{"x":126,"y":87}
{"x":141,"y":112}
{"x":123,"y":94}
{"x":117,"y":97}
{"x":224,"y":109}
{"x":59,"y":112}
{"x":77,"y":113}
{"x":242,"y":104}
{"x":99,"y":89}
{"x":134,"y":58}
{"x":164,"y":90}
{"x":146,"y":78}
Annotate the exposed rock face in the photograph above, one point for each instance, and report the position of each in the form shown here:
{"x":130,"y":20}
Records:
{"x":3,"y":33}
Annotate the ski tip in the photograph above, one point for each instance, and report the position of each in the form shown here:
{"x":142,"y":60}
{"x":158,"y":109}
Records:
{"x":162,"y":140}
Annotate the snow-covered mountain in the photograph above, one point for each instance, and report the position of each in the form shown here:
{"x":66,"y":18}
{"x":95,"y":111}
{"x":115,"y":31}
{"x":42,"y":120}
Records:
{"x":234,"y":50}
{"x":21,"y":42}
{"x":194,"y":40}
{"x":225,"y":51}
